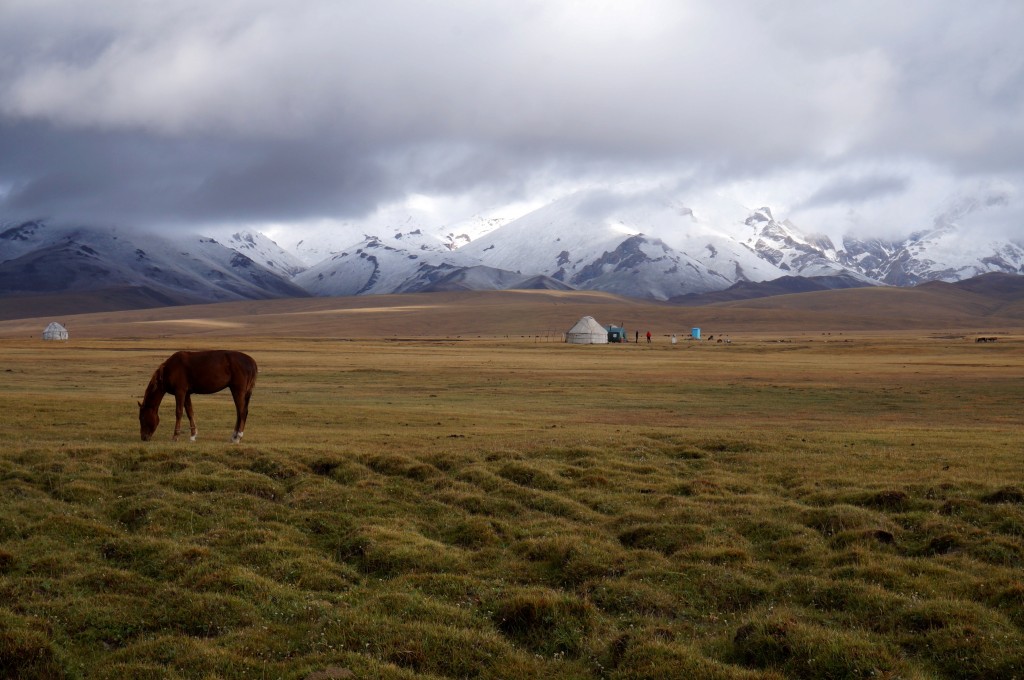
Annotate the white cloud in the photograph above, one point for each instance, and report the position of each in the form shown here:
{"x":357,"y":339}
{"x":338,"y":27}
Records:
{"x":241,"y":110}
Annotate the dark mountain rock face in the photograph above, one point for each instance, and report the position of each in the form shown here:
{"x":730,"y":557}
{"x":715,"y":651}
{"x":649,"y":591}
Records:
{"x":627,"y":255}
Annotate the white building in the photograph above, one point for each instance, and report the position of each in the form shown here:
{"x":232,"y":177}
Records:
{"x":55,"y":331}
{"x":587,"y":331}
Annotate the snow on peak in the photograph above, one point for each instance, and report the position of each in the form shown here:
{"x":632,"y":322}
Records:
{"x":262,"y":249}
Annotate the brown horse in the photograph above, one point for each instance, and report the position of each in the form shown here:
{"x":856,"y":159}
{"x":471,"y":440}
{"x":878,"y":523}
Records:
{"x":188,"y":373}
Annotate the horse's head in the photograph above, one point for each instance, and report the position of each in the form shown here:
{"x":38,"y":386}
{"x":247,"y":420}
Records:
{"x":149,"y":418}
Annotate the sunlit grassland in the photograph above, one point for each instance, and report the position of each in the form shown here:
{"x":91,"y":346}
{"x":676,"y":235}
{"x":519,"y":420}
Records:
{"x":817,"y":509}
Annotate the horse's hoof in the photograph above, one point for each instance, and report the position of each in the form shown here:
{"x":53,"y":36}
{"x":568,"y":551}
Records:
{"x":192,"y":438}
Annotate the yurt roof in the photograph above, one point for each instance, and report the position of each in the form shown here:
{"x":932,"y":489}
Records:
{"x":587,"y":325}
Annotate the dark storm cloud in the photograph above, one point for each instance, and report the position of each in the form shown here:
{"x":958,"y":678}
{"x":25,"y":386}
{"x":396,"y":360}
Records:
{"x":138,"y":178}
{"x":290,"y":179}
{"x":250,"y":110}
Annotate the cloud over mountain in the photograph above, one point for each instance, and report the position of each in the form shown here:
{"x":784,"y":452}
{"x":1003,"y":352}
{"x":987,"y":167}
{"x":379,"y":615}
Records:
{"x":254,"y":113}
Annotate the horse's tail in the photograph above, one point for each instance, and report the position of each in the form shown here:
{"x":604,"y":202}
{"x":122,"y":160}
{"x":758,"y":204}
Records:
{"x":252,"y":371}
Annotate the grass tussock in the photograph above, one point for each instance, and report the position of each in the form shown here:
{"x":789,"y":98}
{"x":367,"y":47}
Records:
{"x":516,"y":510}
{"x":784,"y":641}
{"x":546,"y":622}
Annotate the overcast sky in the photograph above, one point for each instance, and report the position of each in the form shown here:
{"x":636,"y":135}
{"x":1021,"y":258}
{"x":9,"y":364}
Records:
{"x":861,"y":114}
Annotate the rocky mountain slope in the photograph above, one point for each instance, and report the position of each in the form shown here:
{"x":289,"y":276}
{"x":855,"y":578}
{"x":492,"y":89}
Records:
{"x":37,"y":258}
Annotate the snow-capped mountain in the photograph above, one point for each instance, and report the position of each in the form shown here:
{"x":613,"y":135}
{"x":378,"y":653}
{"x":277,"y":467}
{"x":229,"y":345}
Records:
{"x":315,"y":244}
{"x":648,"y":245}
{"x":653,"y":245}
{"x":35,"y":257}
{"x":945,"y":251}
{"x":318,"y":244}
{"x":700,"y":235}
{"x":409,"y":263}
{"x":783,"y":245}
{"x":266,"y":252}
{"x":381,"y":264}
{"x":940,"y":254}
{"x":18,"y":239}
{"x":463,"y":232}
{"x":583,"y":243}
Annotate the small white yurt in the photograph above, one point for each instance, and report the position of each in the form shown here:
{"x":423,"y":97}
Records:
{"x":587,"y":332}
{"x":55,"y":331}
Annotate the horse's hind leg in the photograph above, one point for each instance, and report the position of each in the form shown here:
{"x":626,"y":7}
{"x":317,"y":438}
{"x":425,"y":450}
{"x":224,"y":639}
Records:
{"x":191,"y":418}
{"x":241,"y":413}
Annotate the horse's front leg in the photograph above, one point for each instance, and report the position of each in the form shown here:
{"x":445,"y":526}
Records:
{"x":179,"y":404}
{"x":191,"y":418}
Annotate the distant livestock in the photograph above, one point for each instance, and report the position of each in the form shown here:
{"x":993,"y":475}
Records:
{"x":989,"y":339}
{"x":186,"y":373}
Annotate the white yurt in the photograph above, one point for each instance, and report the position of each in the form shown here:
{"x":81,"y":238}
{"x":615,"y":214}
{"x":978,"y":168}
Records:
{"x":55,"y":331}
{"x":587,"y":332}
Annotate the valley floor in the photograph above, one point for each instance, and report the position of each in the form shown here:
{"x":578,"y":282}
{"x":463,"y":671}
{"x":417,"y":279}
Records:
{"x":810,"y":505}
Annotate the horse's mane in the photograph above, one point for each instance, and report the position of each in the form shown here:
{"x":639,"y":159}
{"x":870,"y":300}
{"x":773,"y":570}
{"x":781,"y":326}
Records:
{"x":155,"y":388}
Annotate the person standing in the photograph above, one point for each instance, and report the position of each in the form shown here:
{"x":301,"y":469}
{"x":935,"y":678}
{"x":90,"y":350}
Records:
{"x":638,"y":337}
{"x":648,"y":337}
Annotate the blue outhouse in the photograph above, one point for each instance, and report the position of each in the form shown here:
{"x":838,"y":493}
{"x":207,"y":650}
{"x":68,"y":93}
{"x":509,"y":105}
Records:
{"x":616,"y":334}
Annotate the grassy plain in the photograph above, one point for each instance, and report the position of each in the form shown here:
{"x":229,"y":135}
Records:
{"x":828,"y":507}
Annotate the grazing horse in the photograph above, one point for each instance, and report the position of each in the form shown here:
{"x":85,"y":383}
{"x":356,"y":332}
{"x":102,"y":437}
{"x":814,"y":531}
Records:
{"x":188,"y":373}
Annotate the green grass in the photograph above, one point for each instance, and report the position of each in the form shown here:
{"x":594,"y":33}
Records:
{"x":480,"y":509}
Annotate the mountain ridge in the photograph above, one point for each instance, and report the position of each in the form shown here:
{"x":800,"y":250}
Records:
{"x":648,"y":246}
